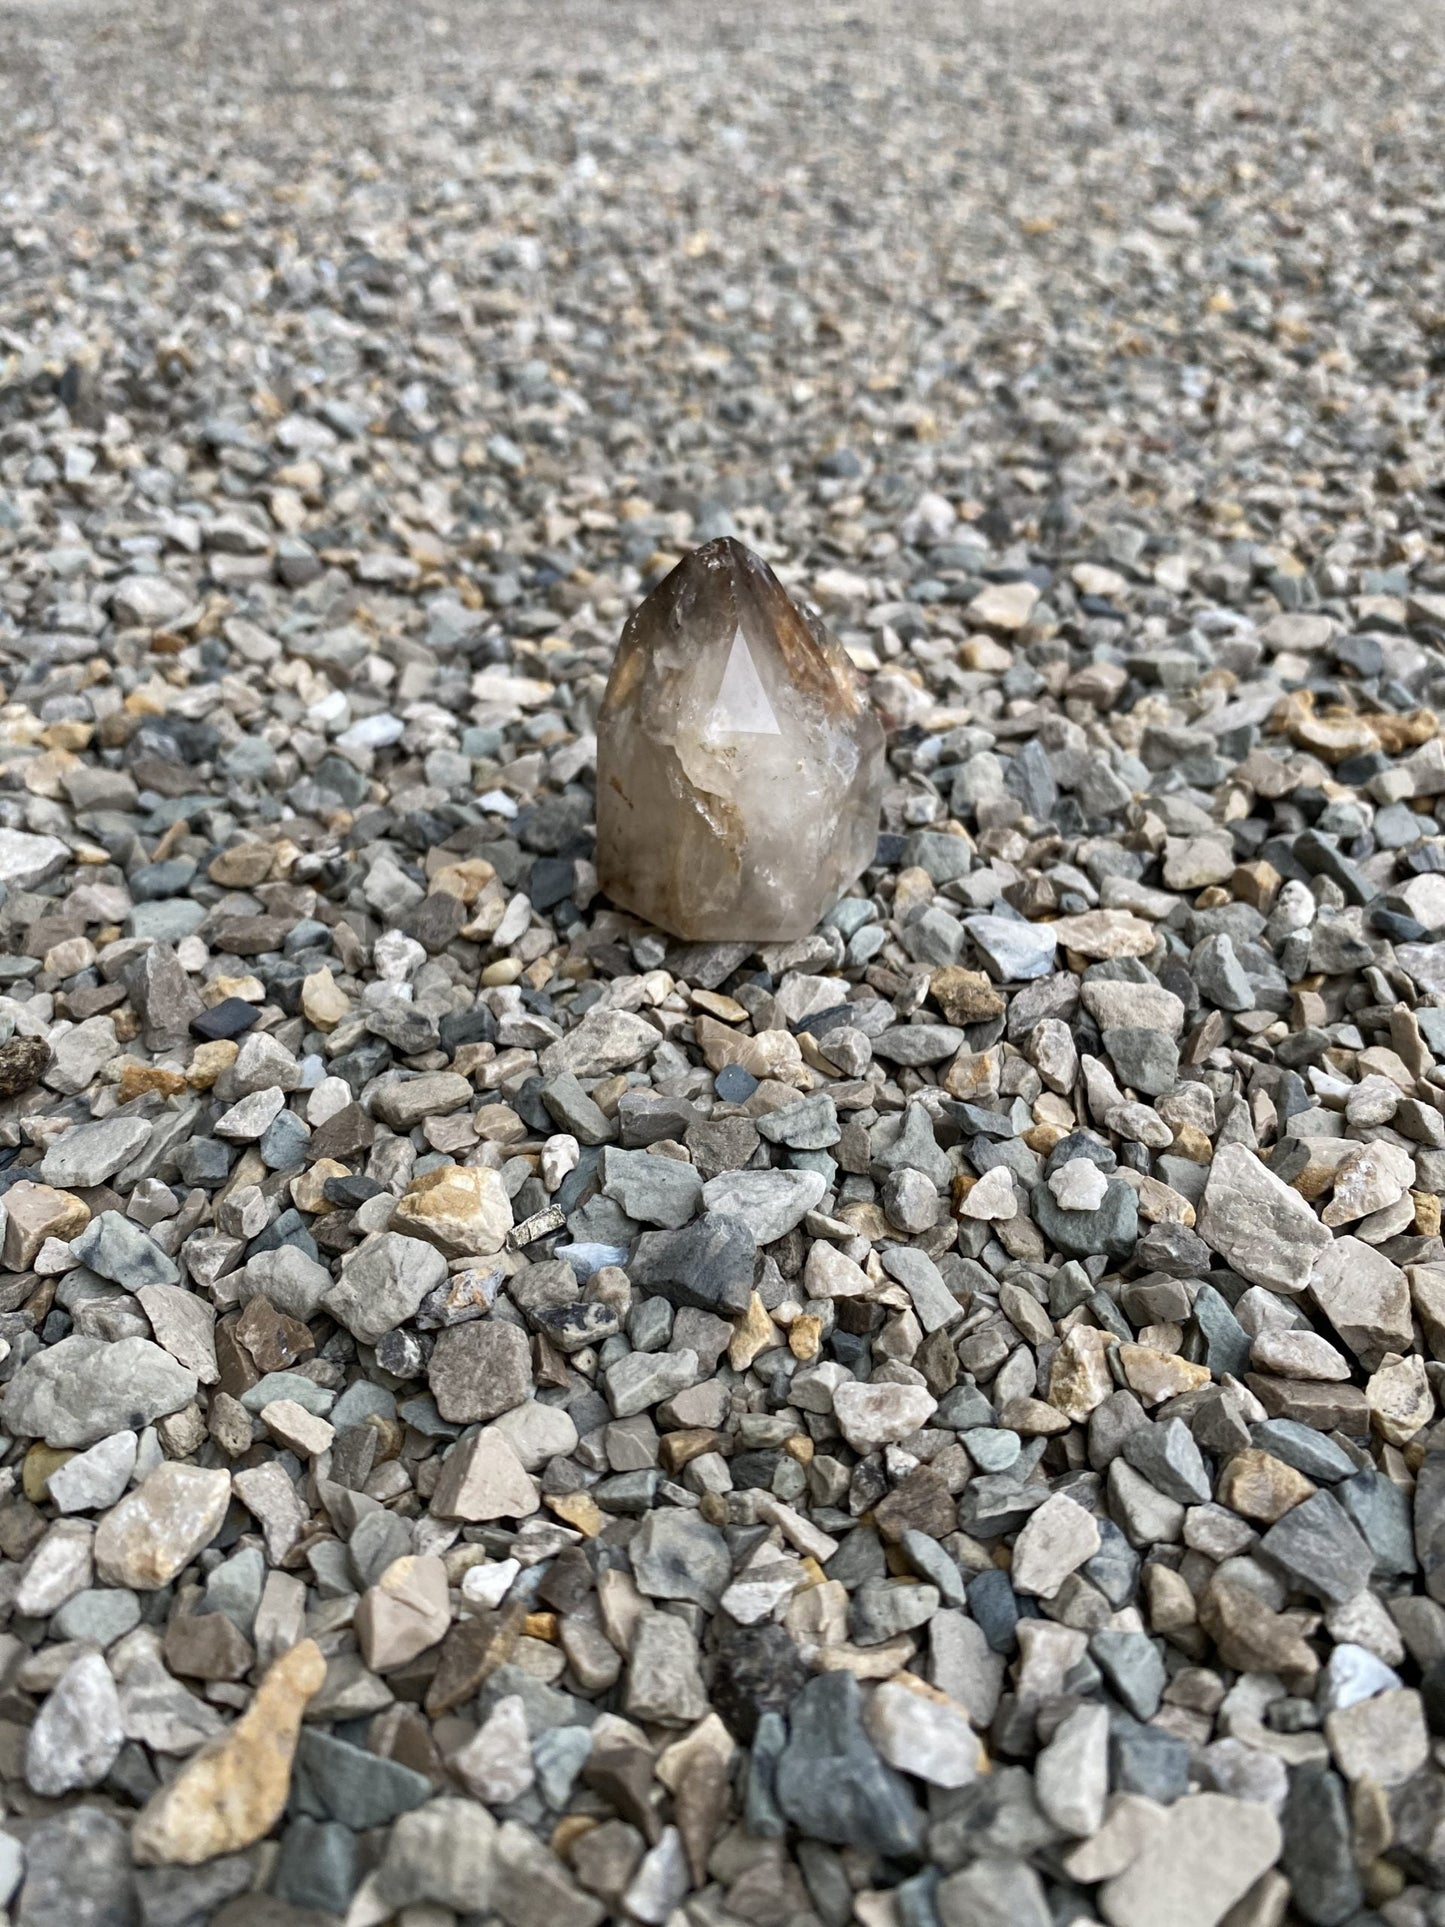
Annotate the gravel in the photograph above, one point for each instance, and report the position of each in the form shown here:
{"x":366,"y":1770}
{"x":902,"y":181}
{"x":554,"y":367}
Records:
{"x":506,"y":1416}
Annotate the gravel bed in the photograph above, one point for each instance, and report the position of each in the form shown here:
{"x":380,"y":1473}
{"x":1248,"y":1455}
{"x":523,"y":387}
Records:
{"x":512,"y":1419}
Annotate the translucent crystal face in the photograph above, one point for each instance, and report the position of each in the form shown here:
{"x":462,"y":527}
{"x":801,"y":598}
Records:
{"x":739,"y":765}
{"x":741,"y":706}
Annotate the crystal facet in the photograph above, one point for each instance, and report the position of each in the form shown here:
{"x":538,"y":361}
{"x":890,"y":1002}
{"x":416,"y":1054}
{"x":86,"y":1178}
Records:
{"x":739,"y":763}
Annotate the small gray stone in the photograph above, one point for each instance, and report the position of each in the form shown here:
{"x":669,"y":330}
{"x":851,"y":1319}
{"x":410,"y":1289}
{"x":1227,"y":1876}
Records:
{"x":1133,"y":1667}
{"x":653,"y":1190}
{"x":1170,"y":1460}
{"x":993,"y":1892}
{"x":605,"y":1040}
{"x":1209,"y":1852}
{"x":573,"y":1111}
{"x":908,"y":1145}
{"x":88,"y":1154}
{"x":383,"y":1285}
{"x":333,"y":1780}
{"x":881,"y":1611}
{"x":664,"y":1685}
{"x":1056,"y":1541}
{"x":166,"y":998}
{"x":709,"y":1265}
{"x":915,"y":1044}
{"x":1110,"y":1229}
{"x":99,"y":1616}
{"x":77,"y":1873}
{"x":77,"y":1732}
{"x":409,"y":1101}
{"x":933,"y":1302}
{"x":1220,"y":976}
{"x":441,"y":1852}
{"x":810,"y":1125}
{"x":678,"y":1555}
{"x":1319,"y":1550}
{"x":770,"y":1203}
{"x":641,"y":1380}
{"x":1318,"y":1855}
{"x":96,"y":1478}
{"x":831,"y":1782}
{"x":1257,"y":1224}
{"x":1072,"y":1772}
{"x":480,"y":1370}
{"x":1144,"y":1060}
{"x":82,"y":1389}
{"x":1013,"y":951}
{"x":189,"y":1896}
{"x":26,"y":860}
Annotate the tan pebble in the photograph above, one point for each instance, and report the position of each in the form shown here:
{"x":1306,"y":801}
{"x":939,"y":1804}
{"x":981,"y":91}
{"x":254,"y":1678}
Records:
{"x":753,"y":1334}
{"x":1257,"y":1485}
{"x":580,"y":1511}
{"x":462,"y":1208}
{"x":35,"y":1212}
{"x":569,"y":1830}
{"x":727,"y":1010}
{"x":1190,"y":1142}
{"x":136,"y":1080}
{"x":249,"y":989}
{"x":1399,"y":1398}
{"x":209,"y":1060}
{"x":291,"y":1424}
{"x":234,"y":1791}
{"x":1156,"y":1376}
{"x":1080,"y":1378}
{"x":241,"y":866}
{"x":805,"y":1336}
{"x":40,"y":1461}
{"x":306,"y":1186}
{"x":323,"y":1003}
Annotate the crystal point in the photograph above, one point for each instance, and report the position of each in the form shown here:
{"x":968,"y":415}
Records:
{"x":739,"y":763}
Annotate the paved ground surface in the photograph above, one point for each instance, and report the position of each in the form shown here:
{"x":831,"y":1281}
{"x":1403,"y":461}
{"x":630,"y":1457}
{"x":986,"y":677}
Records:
{"x":511,"y":1417}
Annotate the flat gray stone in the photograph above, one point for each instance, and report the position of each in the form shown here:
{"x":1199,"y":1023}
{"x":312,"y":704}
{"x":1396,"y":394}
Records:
{"x":82,"y":1389}
{"x":383,"y":1285}
{"x":770,"y":1203}
{"x":88,"y":1154}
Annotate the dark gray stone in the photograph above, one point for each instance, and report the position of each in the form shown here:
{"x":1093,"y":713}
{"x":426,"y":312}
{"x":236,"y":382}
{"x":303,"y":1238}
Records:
{"x":1224,"y":1343}
{"x":317,"y":1865}
{"x":831,"y":1782}
{"x":1318,"y":1857}
{"x":1112,"y":1230}
{"x":710,"y":1265}
{"x":189,"y":1896}
{"x":1147,"y":1760}
{"x":1308,"y":1451}
{"x":1170,"y":1460}
{"x":1134,"y":1667}
{"x":78,"y":1873}
{"x":1381,"y":1512}
{"x":1319,"y":1550}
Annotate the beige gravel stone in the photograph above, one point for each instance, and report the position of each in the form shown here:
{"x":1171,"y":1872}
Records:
{"x":406,"y":1611}
{"x":156,"y":1530}
{"x":463,"y":1209}
{"x":233,"y":1792}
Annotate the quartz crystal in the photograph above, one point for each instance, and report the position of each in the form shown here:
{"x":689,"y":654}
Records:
{"x":739,"y":763}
